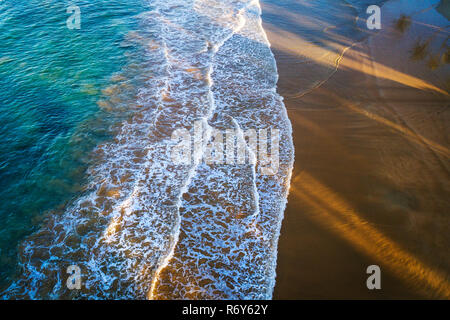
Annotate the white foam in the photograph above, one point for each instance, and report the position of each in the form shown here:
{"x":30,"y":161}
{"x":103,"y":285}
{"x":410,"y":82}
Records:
{"x":142,"y":221}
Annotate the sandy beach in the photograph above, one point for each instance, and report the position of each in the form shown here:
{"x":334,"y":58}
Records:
{"x":370,"y":115}
{"x":148,"y":150}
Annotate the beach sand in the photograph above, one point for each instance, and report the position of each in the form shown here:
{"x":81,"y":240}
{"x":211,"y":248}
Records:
{"x":371,"y":132}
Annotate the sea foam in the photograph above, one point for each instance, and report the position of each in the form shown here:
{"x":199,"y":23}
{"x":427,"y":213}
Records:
{"x":148,"y":228}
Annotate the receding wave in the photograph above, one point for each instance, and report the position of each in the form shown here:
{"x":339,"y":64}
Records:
{"x":149,"y":228}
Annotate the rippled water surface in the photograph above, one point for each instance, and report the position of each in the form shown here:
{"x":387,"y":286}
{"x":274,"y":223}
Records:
{"x":53,"y":83}
{"x":137,"y":224}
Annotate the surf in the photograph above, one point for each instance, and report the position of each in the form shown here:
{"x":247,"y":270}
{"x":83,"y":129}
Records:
{"x":148,"y":228}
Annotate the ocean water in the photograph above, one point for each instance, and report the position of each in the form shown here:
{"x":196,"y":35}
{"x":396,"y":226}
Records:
{"x":52,"y":80}
{"x":86,"y":169}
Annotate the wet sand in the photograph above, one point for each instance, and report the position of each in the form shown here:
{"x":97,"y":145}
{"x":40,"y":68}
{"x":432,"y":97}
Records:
{"x":371,"y":133}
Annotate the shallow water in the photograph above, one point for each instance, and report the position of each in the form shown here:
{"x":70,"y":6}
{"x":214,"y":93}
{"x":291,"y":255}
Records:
{"x":52,"y":79}
{"x":139,"y":220}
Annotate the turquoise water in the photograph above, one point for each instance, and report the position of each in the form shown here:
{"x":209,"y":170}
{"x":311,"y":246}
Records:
{"x":128,"y":216}
{"x":52,"y":79}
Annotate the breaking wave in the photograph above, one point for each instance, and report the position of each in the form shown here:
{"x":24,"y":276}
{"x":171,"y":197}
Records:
{"x":148,"y":228}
